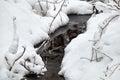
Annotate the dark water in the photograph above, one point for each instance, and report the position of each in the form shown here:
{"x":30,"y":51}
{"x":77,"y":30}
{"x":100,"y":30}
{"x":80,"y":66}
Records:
{"x":53,"y":53}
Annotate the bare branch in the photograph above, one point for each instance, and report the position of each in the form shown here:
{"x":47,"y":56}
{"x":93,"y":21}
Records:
{"x":103,"y":54}
{"x":42,"y":11}
{"x":26,"y":67}
{"x":14,"y":46}
{"x":46,"y":6}
{"x":6,"y":59}
{"x":54,"y":6}
{"x":56,"y":16}
{"x":48,"y":40}
{"x":60,"y":17}
{"x":17,"y":59}
{"x":102,"y":27}
{"x":115,"y":1}
{"x":114,"y":70}
{"x":55,"y":2}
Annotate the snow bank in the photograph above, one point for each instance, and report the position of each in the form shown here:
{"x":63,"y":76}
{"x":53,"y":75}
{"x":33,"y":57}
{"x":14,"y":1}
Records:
{"x":22,"y":25}
{"x":28,"y":31}
{"x":78,"y":7}
{"x":77,"y":64}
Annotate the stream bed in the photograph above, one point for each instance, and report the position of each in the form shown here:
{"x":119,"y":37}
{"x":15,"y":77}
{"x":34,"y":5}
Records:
{"x":53,"y":54}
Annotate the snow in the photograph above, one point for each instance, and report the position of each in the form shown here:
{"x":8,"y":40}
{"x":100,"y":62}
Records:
{"x":22,"y":25}
{"x":78,"y":7}
{"x":76,"y":64}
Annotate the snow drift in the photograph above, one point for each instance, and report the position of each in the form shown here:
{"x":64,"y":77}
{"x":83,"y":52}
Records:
{"x":94,"y":55}
{"x":22,"y":25}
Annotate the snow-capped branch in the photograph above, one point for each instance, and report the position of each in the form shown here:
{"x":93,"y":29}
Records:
{"x":14,"y":45}
{"x":31,"y":66}
{"x":26,"y":67}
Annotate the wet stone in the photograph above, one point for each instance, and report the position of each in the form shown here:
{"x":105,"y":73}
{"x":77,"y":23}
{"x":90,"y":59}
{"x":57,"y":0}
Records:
{"x":53,"y":52}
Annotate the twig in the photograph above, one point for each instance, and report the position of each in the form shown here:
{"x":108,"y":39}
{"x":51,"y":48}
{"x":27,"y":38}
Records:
{"x":119,"y":3}
{"x":87,"y":58}
{"x":17,"y":59}
{"x":48,"y":40}
{"x":46,"y":6}
{"x":60,"y":17}
{"x":114,"y":70}
{"x":101,"y":31}
{"x":116,"y":6}
{"x":54,"y":6}
{"x":56,"y":16}
{"x":107,"y":21}
{"x":14,"y":24}
{"x":42,"y":11}
{"x":92,"y":55}
{"x":6,"y":59}
{"x":43,"y":43}
{"x":115,"y":1}
{"x":26,"y":67}
{"x":103,"y":54}
{"x":55,"y":2}
{"x":34,"y":61}
{"x":102,"y":78}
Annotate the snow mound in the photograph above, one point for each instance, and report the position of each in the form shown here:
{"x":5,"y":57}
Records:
{"x":95,"y":54}
{"x":22,"y":25}
{"x":78,"y":7}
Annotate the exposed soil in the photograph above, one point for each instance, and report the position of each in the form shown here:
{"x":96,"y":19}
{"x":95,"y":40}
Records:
{"x":53,"y":53}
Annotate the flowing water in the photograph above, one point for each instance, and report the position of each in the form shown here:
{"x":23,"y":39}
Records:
{"x":53,"y":53}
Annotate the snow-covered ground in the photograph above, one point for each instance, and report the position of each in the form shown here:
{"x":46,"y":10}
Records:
{"x":95,"y":54}
{"x":22,"y":25}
